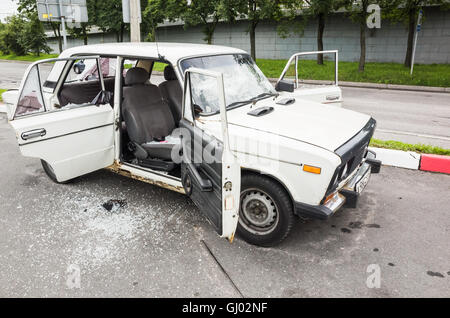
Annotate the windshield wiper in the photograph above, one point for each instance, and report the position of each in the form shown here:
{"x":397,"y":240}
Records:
{"x":264,"y":95}
{"x":254,"y":99}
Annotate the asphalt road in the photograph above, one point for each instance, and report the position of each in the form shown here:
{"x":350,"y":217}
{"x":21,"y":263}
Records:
{"x":12,"y":72}
{"x":412,"y":117}
{"x":158,"y":243}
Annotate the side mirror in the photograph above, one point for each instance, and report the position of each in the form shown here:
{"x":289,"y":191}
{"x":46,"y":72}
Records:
{"x":197,"y":110}
{"x":284,"y":86}
{"x":79,"y":67}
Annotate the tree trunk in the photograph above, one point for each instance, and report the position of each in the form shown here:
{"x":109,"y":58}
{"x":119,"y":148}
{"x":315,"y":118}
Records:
{"x":362,"y":39}
{"x":209,"y":36}
{"x":253,"y":40}
{"x":320,"y":29}
{"x":60,"y":44}
{"x":85,"y":36}
{"x":411,"y":30}
{"x":122,"y":28}
{"x":57,"y":34}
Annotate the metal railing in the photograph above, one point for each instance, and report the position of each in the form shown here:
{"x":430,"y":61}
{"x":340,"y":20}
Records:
{"x":296,"y":56}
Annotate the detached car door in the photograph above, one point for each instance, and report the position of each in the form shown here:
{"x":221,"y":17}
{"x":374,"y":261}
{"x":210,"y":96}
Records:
{"x":324,"y":92}
{"x":73,"y":139}
{"x":210,"y":173}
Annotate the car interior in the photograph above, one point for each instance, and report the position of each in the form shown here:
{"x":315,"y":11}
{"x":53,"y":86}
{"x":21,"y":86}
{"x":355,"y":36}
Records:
{"x":150,"y":109}
{"x":84,"y":86}
{"x":150,"y":114}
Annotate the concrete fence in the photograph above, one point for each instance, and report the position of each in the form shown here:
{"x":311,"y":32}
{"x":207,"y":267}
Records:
{"x":387,"y":44}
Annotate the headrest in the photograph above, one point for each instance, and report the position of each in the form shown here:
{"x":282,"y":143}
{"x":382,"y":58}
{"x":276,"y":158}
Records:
{"x":136,"y":75}
{"x":169,"y":73}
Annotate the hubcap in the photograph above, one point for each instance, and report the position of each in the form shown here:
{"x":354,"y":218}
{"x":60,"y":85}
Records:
{"x":258,"y":212}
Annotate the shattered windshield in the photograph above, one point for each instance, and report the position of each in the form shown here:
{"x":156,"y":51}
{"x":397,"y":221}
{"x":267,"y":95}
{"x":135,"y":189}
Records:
{"x":243,"y":81}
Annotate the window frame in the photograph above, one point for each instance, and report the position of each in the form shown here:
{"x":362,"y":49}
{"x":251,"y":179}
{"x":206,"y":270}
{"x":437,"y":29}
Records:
{"x":42,"y":85}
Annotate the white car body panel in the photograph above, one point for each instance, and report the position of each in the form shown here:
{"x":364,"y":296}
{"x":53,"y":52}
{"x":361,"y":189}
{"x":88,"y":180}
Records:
{"x":84,"y":139}
{"x":280,"y":157}
{"x":326,"y":94}
{"x":278,"y":144}
{"x":304,"y":121}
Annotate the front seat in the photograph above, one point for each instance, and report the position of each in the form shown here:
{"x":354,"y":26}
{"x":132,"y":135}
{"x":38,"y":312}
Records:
{"x":147,"y":116}
{"x":172,"y":92}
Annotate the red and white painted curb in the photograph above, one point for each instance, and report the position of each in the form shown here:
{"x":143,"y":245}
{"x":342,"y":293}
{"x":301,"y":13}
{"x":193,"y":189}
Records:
{"x":413,"y":160}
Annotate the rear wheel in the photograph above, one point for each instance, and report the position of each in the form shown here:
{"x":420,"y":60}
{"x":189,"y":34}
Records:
{"x":265,"y":212}
{"x":50,"y":173}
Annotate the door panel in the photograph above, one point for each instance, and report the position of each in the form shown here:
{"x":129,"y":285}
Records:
{"x":73,"y":140}
{"x":76,"y":141}
{"x":207,"y":197}
{"x":325,"y":92}
{"x":210,"y":172}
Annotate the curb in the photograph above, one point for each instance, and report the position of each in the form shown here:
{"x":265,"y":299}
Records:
{"x":412,"y":160}
{"x":429,"y":89}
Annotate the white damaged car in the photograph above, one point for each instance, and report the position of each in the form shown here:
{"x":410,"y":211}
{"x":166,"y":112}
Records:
{"x":251,"y":156}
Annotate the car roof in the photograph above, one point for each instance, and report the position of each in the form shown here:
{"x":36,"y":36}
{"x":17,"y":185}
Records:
{"x":172,"y":52}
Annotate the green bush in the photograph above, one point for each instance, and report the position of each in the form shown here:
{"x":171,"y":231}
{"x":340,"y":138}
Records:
{"x":11,"y":34}
{"x":22,"y":34}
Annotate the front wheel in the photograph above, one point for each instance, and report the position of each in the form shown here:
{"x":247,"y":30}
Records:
{"x":265,"y":213}
{"x":50,"y":173}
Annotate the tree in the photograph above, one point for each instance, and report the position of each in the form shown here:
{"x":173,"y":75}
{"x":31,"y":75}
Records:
{"x":357,"y":10}
{"x":33,"y":38}
{"x":254,"y":11}
{"x":206,"y":12}
{"x":407,"y":11}
{"x":319,"y":9}
{"x":109,"y":17}
{"x":21,"y":34}
{"x":157,"y":11}
{"x":81,"y":30}
{"x":11,"y":35}
{"x":30,"y":7}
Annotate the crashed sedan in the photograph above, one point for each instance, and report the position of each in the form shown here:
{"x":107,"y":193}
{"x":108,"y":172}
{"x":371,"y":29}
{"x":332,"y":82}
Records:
{"x":201,"y":120}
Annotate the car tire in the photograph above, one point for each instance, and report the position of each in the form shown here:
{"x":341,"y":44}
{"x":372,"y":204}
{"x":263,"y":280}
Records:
{"x":265,"y":213}
{"x":49,"y":172}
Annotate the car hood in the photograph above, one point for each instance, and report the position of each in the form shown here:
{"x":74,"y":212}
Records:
{"x":322,"y":125}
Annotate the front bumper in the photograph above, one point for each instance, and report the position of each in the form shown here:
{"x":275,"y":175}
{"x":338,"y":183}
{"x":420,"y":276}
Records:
{"x":347,"y":195}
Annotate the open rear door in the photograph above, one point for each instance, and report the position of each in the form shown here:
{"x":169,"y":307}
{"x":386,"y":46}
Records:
{"x":321,"y":90}
{"x":210,"y":173}
{"x":72,"y":139}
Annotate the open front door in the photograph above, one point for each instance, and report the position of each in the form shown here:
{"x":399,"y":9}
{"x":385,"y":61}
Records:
{"x":210,"y":173}
{"x":307,"y":83}
{"x":73,"y":137}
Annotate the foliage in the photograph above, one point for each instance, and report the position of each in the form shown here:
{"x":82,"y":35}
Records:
{"x":157,"y":11}
{"x":21,"y":34}
{"x":437,"y":75}
{"x":28,"y":57}
{"x":406,"y":12}
{"x":254,"y":11}
{"x":109,"y":17}
{"x":320,"y":10}
{"x":205,"y":12}
{"x":1,"y":92}
{"x":33,"y":38}
{"x":420,"y":148}
{"x":10,"y":36}
{"x":29,"y":7}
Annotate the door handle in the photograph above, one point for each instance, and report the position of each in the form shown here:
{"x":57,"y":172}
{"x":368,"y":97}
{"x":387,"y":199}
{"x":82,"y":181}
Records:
{"x":332,"y":97}
{"x":33,"y":134}
{"x":205,"y":184}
